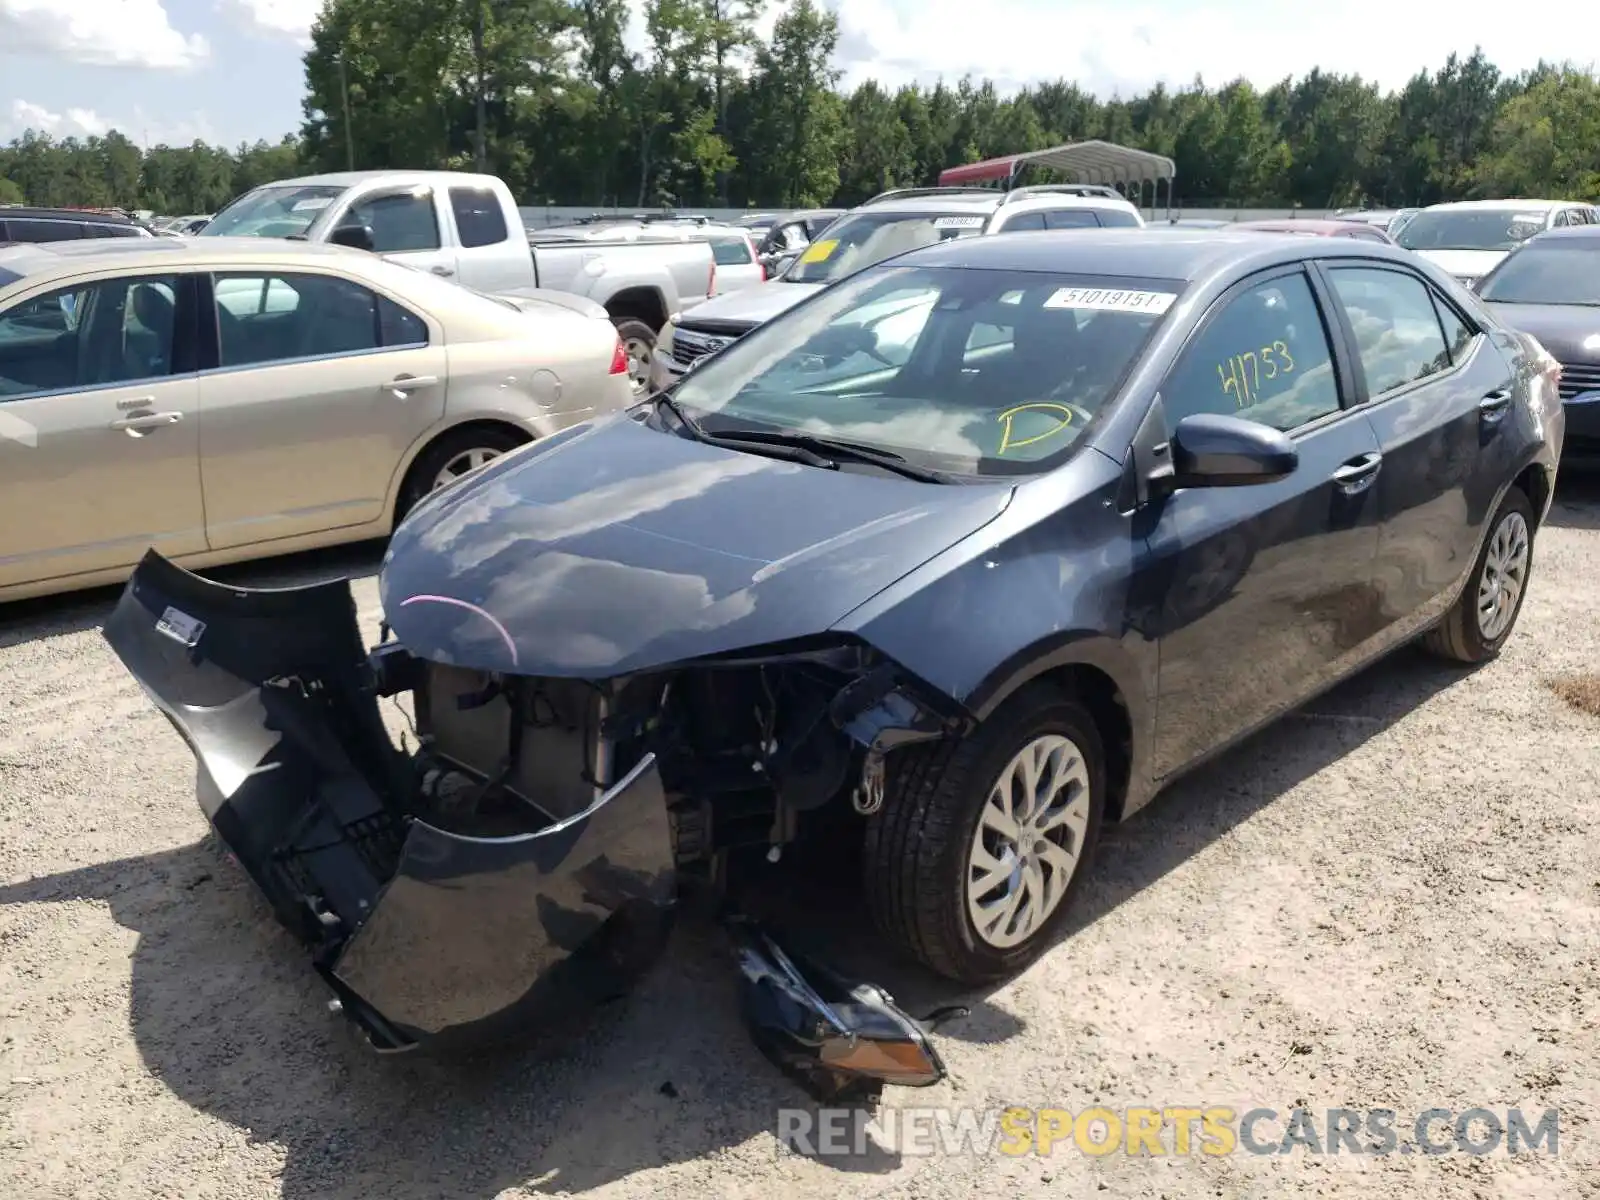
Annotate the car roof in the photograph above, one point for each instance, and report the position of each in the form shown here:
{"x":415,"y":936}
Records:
{"x":1528,"y":205}
{"x":345,"y":179}
{"x":69,"y":258}
{"x":1325,"y":226}
{"x":24,"y":212}
{"x":1181,"y":254}
{"x":1570,"y":233}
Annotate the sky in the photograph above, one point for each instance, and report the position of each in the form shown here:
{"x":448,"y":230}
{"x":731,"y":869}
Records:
{"x":228,"y":71}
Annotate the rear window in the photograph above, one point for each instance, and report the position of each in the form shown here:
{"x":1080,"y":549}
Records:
{"x":731,"y":252}
{"x":479,"y":220}
{"x":1551,"y":274}
{"x":1116,"y":218}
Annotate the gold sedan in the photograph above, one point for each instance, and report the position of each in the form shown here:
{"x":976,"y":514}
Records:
{"x":225,"y":399}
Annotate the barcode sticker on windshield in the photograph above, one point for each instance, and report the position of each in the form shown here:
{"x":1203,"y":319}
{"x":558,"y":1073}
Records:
{"x":1111,"y":300}
{"x":958,"y":222}
{"x":1528,"y":219}
{"x":311,"y":205}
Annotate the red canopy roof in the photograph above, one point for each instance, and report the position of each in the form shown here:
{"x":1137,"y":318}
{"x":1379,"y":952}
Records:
{"x":1086,"y":162}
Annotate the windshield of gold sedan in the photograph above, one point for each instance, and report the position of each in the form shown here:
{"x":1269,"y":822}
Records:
{"x":276,"y":211}
{"x":974,"y":372}
{"x":856,"y":242}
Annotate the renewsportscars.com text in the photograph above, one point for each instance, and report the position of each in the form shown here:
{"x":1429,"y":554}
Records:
{"x":1173,"y":1130}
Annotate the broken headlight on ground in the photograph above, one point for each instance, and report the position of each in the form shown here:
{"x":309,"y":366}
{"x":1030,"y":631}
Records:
{"x":520,"y":866}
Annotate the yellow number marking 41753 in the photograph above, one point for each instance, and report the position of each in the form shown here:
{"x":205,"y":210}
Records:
{"x":1240,"y":376}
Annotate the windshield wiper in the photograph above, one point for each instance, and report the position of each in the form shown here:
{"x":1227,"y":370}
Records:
{"x":834,"y":449}
{"x":787,"y":452}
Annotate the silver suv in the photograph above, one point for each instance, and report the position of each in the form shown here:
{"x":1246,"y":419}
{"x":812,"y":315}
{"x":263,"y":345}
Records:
{"x":884,"y":226}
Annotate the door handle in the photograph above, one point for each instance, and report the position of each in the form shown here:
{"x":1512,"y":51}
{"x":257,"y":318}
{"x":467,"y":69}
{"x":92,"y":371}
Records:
{"x":443,"y":270}
{"x":135,"y":426}
{"x":401,"y":384}
{"x":1494,"y":406}
{"x":1358,"y":473}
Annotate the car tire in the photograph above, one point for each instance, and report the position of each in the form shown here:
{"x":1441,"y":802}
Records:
{"x":635,"y":333}
{"x":1483,"y":616}
{"x":460,"y":446}
{"x":922,"y":848}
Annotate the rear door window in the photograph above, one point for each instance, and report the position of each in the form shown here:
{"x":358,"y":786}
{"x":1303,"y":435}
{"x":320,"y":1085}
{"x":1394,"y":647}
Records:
{"x":1398,"y":337}
{"x":263,"y":319}
{"x":1114,"y":218}
{"x":479,"y":220}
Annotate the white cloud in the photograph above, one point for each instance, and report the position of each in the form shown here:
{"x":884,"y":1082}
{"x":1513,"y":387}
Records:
{"x":279,"y":18}
{"x":1108,"y":46}
{"x":138,"y":127}
{"x":75,"y":122}
{"x":100,"y":33}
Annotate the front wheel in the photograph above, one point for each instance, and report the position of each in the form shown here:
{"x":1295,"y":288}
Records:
{"x":1485,"y":613}
{"x":982,"y":843}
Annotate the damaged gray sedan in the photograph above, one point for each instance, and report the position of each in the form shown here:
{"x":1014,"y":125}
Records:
{"x":961,"y":594}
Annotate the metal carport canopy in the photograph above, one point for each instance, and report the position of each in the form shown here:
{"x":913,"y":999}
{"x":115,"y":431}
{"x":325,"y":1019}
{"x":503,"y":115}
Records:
{"x":1086,"y":162}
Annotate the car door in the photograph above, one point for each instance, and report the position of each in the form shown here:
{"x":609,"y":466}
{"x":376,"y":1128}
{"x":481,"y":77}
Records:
{"x":409,"y":225}
{"x":1261,"y":595}
{"x":316,"y":388}
{"x":1437,"y":392}
{"x":485,"y":246}
{"x":99,"y":427}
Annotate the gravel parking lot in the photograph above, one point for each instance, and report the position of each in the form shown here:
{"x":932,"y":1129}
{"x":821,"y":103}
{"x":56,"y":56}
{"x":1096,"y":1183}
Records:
{"x":1391,"y":899}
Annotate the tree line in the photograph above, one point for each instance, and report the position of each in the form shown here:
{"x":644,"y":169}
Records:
{"x":546,"y":94}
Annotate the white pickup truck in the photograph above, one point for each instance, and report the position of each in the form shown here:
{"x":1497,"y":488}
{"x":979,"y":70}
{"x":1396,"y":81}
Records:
{"x":467,"y":228}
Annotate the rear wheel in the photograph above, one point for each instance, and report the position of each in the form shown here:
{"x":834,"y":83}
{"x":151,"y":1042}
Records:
{"x":1485,"y":613}
{"x":452,"y":456}
{"x":982,"y":843}
{"x":638,"y":344}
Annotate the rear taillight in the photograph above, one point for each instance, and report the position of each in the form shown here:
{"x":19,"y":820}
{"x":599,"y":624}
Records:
{"x":619,"y":359}
{"x":765,"y":274}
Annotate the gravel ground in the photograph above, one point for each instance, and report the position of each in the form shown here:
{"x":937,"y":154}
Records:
{"x":1391,"y":899}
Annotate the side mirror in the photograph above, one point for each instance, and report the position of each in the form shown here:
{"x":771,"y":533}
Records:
{"x":1215,"y":450}
{"x":357,"y":237}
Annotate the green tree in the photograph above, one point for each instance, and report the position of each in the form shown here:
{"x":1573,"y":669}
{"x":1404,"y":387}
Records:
{"x":798,"y":118}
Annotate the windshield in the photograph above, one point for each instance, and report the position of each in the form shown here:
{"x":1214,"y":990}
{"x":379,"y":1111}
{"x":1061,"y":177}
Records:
{"x":859,"y":241}
{"x":277,"y":211}
{"x":1546,"y":275}
{"x":975,"y":372}
{"x":1470,"y":229}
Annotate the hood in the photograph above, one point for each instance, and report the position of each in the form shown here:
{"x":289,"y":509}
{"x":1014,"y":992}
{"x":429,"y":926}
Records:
{"x":749,"y":307}
{"x":1570,"y":332}
{"x":615,"y":548}
{"x":532,"y":299}
{"x":1464,"y":264}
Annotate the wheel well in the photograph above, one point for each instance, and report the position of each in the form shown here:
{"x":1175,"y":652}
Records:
{"x":1103,"y":698}
{"x":455,"y":430}
{"x":639,"y":304}
{"x":1534,"y":483}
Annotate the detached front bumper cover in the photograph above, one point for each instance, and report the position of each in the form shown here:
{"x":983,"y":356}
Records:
{"x":424,"y":935}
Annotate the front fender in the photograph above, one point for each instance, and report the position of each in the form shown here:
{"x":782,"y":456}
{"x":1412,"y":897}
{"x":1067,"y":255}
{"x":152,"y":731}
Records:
{"x":1048,"y":584}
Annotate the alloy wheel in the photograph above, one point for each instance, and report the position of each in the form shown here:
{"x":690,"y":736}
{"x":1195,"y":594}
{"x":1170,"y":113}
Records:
{"x":1505,"y":573}
{"x":1029,"y":841}
{"x":461,"y":464}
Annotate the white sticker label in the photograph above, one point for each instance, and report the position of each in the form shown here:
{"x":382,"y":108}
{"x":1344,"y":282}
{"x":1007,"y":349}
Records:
{"x":312,"y":205}
{"x":180,"y":627}
{"x":1111,"y":300}
{"x":1528,"y":219}
{"x":958,"y":223}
